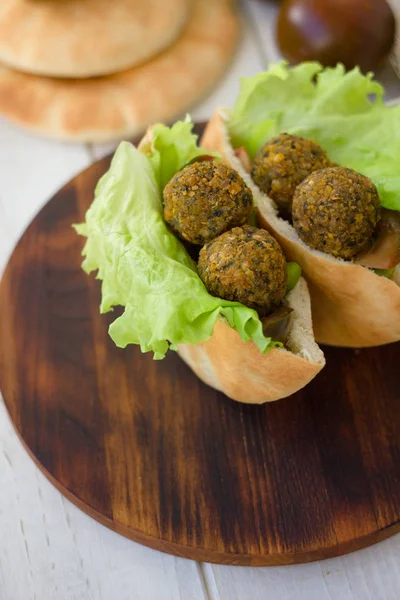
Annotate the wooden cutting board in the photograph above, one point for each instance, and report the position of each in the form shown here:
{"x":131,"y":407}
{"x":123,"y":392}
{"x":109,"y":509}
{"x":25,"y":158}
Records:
{"x":148,"y":450}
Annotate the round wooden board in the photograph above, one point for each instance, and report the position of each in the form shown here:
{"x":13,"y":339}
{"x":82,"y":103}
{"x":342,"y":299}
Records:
{"x":148,"y":450}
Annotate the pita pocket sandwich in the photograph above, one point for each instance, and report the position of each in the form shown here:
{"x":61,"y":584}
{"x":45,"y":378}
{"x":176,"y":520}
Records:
{"x":321,"y":153}
{"x":169,"y":236}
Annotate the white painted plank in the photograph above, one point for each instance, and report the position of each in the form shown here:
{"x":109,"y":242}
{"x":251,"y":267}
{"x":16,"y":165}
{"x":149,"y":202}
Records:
{"x":31,"y":170}
{"x":370,"y":574}
{"x":263,"y":14}
{"x":6,"y":237}
{"x":247,"y":61}
{"x":388,"y":78}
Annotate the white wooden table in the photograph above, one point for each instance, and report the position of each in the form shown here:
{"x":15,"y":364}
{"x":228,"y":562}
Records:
{"x":49,"y":549}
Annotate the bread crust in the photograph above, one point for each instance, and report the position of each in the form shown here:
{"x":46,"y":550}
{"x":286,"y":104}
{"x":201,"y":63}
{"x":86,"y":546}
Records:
{"x":351,"y":305}
{"x":242,"y":372}
{"x":86,"y":39}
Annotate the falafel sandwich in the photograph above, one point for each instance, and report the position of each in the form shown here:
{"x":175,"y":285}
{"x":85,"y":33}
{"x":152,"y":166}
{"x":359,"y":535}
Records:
{"x":170,"y":236}
{"x":320,"y":152}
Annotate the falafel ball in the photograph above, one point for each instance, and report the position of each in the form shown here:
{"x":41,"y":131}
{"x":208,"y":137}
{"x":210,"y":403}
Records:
{"x":283,"y":163}
{"x":245,"y":265}
{"x":336,"y":210}
{"x":205,"y":199}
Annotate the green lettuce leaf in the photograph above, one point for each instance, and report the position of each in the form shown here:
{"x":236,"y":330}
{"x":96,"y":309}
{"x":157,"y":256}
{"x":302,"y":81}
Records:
{"x":171,"y":148}
{"x":385,"y":272}
{"x":293,"y":271}
{"x":342,"y":111}
{"x":142,"y":265}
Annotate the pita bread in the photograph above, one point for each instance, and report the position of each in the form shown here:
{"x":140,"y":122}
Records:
{"x":240,"y":371}
{"x":351,"y":305}
{"x":120,"y":106}
{"x":84,"y":38}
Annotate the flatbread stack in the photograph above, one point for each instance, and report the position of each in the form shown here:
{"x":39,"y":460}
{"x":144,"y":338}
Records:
{"x":101,"y":70}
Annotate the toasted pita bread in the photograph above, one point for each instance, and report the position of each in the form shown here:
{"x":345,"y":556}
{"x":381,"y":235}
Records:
{"x":120,"y":106}
{"x":240,"y":371}
{"x":86,"y":38}
{"x":351,"y":305}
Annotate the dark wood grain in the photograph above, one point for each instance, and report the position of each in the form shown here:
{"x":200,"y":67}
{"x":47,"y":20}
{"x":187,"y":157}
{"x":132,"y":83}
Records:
{"x":148,"y":450}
